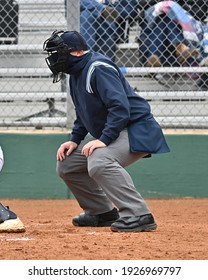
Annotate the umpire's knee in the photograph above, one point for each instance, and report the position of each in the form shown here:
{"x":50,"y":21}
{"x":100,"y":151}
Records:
{"x":60,"y":169}
{"x":97,"y":166}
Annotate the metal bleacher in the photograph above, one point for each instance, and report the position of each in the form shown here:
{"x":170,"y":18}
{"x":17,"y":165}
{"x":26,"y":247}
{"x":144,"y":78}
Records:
{"x":26,"y":79}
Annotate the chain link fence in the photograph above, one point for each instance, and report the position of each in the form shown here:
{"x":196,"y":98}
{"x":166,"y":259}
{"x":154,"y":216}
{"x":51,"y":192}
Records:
{"x":173,"y":78}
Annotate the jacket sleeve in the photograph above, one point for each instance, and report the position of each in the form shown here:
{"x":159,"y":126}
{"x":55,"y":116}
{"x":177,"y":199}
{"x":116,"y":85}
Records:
{"x":78,"y":131}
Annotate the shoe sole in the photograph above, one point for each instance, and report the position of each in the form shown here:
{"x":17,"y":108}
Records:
{"x":104,"y":224}
{"x":12,"y":226}
{"x":143,"y":228}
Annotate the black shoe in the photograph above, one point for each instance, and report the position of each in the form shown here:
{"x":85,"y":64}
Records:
{"x":101,"y":220}
{"x":135,"y":224}
{"x":6,"y":213}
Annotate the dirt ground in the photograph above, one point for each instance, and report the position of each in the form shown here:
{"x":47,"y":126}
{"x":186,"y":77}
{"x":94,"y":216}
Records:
{"x":182,"y":233}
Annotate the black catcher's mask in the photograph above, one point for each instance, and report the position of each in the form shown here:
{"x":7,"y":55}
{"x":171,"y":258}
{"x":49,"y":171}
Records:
{"x":58,"y":49}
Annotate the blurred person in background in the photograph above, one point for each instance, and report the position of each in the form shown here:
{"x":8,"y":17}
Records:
{"x":202,"y":83}
{"x":104,"y":24}
{"x":172,"y":32}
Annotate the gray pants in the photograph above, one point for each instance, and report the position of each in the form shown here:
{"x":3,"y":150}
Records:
{"x":101,"y":182}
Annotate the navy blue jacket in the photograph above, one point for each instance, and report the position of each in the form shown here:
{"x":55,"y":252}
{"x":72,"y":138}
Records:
{"x":106,"y":104}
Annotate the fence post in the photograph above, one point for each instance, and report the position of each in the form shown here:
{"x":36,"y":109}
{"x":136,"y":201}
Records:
{"x":73,"y":23}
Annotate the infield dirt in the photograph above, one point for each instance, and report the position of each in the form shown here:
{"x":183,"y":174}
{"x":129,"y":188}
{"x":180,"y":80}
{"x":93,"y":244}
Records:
{"x":182,"y":233}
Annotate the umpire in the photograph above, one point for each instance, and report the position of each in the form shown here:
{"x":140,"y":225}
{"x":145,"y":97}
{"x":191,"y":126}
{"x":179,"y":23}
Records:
{"x":114,"y":127}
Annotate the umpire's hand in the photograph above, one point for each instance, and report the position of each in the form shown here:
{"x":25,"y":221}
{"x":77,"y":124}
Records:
{"x":88,"y":148}
{"x":65,"y":148}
